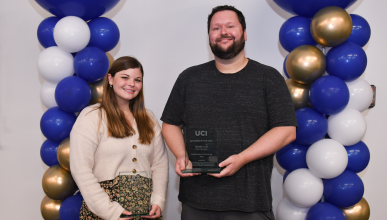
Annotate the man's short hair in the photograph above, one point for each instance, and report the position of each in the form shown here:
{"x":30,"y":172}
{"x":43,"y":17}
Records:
{"x":241,"y":18}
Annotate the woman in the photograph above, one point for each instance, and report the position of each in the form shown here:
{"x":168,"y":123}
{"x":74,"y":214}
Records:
{"x":119,"y":135}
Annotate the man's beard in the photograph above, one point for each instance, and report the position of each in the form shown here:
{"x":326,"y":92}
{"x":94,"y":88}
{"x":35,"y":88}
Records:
{"x":232,"y":51}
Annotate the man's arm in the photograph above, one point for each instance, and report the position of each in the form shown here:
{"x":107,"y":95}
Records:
{"x":266,"y":145}
{"x":175,"y":141}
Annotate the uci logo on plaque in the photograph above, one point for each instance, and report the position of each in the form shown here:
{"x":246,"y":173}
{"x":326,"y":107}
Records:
{"x":201,"y":133}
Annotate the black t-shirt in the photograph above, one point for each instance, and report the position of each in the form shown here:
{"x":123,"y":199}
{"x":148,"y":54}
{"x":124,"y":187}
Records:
{"x":242,"y":107}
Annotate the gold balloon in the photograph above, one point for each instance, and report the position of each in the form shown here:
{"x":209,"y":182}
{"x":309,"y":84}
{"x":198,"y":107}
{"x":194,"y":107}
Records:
{"x":63,"y":154}
{"x":360,"y":211}
{"x":331,"y":26}
{"x":96,"y":91}
{"x":305,"y":64}
{"x":57,"y":183}
{"x":299,"y":93}
{"x":111,"y":59}
{"x":50,"y":208}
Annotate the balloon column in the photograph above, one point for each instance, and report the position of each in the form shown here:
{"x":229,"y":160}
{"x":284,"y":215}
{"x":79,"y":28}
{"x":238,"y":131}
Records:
{"x":73,"y":64}
{"x":328,"y":96}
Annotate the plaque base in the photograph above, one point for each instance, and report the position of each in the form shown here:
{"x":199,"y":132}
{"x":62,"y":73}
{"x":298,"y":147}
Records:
{"x":134,"y":215}
{"x":203,"y":170}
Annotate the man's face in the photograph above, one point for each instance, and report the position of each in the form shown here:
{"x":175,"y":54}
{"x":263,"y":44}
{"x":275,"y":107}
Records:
{"x":227,"y":38}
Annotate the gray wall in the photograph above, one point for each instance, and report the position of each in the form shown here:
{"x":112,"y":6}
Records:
{"x":167,"y":37}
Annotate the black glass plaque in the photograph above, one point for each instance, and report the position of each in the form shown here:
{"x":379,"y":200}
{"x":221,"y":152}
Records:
{"x":201,"y":150}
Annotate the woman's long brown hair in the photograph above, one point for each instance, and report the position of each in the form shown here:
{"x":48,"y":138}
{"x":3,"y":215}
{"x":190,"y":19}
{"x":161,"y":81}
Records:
{"x":118,"y":125}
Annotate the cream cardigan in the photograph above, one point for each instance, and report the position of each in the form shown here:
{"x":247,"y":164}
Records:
{"x":95,"y":157}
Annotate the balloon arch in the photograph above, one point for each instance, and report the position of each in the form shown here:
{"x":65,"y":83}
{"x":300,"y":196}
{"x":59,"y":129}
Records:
{"x":73,"y":64}
{"x":321,"y":164}
{"x":328,"y":94}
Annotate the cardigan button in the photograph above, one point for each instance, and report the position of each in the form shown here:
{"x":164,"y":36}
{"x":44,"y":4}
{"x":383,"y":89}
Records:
{"x":134,"y":147}
{"x":134,"y":171}
{"x":134,"y":159}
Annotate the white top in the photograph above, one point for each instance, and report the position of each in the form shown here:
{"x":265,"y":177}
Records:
{"x":95,"y":157}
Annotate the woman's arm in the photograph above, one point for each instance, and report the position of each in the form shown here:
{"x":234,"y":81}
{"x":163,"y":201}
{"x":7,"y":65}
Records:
{"x":83,"y":145}
{"x":160,"y":169}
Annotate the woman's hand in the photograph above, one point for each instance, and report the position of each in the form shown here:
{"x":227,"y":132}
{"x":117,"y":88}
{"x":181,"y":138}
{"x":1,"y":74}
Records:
{"x":126,"y":213}
{"x":154,"y":213}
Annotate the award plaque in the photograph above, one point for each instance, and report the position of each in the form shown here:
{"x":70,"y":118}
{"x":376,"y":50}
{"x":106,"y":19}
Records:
{"x":201,"y":150}
{"x":135,"y":189}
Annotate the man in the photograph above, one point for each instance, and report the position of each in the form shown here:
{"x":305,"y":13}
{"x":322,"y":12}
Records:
{"x":249,"y":105}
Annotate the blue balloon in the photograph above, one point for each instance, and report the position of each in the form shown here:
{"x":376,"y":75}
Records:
{"x":284,"y":67}
{"x":361,"y":31}
{"x":285,"y":175}
{"x":329,"y":95}
{"x":312,"y":126}
{"x":327,"y":136}
{"x":345,"y":190}
{"x":325,"y":211}
{"x":104,"y":33}
{"x":346,"y":61}
{"x":358,"y":157}
{"x":46,"y":32}
{"x":71,"y":208}
{"x":56,"y":124}
{"x":48,"y":152}
{"x":308,"y":8}
{"x":292,"y":156}
{"x":295,"y":32}
{"x":85,"y":9}
{"x":72,"y":94}
{"x":91,"y":64}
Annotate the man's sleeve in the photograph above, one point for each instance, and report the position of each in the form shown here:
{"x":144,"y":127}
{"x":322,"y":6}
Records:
{"x":278,"y":101}
{"x":173,"y":111}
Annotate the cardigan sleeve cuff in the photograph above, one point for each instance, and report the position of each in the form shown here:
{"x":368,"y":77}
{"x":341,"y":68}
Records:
{"x":158,"y":200}
{"x":117,"y":212}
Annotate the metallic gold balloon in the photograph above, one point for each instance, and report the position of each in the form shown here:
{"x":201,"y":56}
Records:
{"x":57,"y":183}
{"x":96,"y":92}
{"x":305,"y":64}
{"x":97,"y":87}
{"x":299,"y":93}
{"x":331,"y":26}
{"x":360,"y":211}
{"x":63,"y":154}
{"x":111,"y":59}
{"x":50,"y":208}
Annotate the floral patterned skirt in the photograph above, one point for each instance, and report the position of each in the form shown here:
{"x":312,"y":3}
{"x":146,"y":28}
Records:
{"x":133,"y":199}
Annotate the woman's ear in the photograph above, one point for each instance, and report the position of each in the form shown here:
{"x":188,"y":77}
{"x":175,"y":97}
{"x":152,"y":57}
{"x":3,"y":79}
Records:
{"x":110,"y":78}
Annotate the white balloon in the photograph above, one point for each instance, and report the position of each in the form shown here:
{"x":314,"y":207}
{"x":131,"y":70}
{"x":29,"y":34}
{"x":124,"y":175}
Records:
{"x":288,"y":211}
{"x":303,"y":188}
{"x":347,"y":127}
{"x":55,"y":64}
{"x":360,"y":93}
{"x":71,"y":34}
{"x":327,"y":158}
{"x":47,"y":94}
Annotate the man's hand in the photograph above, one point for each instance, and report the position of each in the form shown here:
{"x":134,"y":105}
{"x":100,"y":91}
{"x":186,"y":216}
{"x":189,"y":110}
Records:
{"x":175,"y":141}
{"x":180,"y":166}
{"x":231,"y":164}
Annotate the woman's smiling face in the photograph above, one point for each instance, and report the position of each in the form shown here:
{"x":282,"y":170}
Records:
{"x":126,"y":84}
